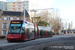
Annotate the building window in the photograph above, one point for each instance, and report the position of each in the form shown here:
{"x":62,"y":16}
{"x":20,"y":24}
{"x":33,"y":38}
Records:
{"x":19,"y":5}
{"x":4,"y":26}
{"x":13,"y":8}
{"x":11,"y":18}
{"x":4,"y":32}
{"x":4,"y":18}
{"x":17,"y":18}
{"x":13,"y":3}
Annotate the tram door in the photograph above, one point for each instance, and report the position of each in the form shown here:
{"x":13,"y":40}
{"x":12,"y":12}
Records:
{"x":30,"y":31}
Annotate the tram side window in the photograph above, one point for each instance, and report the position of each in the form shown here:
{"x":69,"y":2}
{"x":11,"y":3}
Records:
{"x":48,"y":32}
{"x":32,"y":29}
{"x":23,"y":28}
{"x":36,"y":31}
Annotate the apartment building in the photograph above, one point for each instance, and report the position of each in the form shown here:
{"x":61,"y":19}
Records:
{"x":16,"y":6}
{"x":19,"y":6}
{"x":2,"y":4}
{"x":7,"y":16}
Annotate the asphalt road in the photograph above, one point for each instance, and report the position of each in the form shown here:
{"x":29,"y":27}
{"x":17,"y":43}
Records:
{"x":59,"y":40}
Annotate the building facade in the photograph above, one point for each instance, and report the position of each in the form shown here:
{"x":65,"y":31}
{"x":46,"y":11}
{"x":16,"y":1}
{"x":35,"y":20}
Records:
{"x":7,"y":16}
{"x":18,"y":6}
{"x":2,"y":4}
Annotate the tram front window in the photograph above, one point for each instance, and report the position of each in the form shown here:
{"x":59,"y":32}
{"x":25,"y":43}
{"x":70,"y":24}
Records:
{"x":15,"y":28}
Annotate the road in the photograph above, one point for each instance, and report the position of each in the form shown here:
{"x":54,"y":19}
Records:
{"x":55,"y":39}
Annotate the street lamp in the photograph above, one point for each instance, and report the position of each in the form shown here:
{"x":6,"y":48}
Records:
{"x":24,"y":13}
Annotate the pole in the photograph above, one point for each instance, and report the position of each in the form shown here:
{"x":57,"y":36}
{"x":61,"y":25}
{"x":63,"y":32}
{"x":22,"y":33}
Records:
{"x":31,"y":17}
{"x":60,"y":26}
{"x":71,"y":26}
{"x":54,"y":13}
{"x":24,"y":13}
{"x":66,"y":26}
{"x":34,"y":16}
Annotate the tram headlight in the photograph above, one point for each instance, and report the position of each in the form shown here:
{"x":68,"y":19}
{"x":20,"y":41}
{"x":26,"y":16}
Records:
{"x":8,"y":37}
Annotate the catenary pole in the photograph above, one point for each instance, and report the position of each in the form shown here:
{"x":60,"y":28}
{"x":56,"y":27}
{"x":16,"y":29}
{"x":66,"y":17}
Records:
{"x":24,"y":13}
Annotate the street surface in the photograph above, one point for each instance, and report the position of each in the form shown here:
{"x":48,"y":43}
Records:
{"x":54,"y":42}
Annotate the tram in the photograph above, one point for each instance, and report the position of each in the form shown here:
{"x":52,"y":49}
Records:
{"x":20,"y":30}
{"x":45,"y":31}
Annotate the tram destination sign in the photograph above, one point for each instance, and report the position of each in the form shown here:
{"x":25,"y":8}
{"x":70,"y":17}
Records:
{"x":15,"y":22}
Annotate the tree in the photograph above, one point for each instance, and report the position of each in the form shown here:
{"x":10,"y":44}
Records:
{"x":45,"y":15}
{"x":39,"y":22}
{"x":51,"y":19}
{"x":43,"y":23}
{"x":36,"y":20}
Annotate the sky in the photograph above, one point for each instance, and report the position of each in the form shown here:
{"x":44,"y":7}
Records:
{"x":66,"y":7}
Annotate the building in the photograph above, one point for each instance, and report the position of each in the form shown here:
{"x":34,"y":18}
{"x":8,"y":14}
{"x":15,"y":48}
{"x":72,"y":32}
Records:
{"x":2,"y":4}
{"x":18,"y":6}
{"x":6,"y":17}
{"x":14,"y":11}
{"x":69,"y":28}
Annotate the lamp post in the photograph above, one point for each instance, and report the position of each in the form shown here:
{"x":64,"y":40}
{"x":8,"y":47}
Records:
{"x":24,"y":13}
{"x":60,"y":26}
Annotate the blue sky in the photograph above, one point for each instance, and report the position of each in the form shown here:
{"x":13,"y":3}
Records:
{"x":67,"y":10}
{"x":66,"y":7}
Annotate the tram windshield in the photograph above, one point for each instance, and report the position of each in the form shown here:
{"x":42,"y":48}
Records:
{"x":14,"y":28}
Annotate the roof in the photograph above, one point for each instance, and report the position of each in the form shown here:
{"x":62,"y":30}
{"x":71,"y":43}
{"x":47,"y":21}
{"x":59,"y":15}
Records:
{"x":12,"y":13}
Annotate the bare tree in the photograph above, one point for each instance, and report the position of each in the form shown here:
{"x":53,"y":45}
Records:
{"x":48,"y":17}
{"x":45,"y":15}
